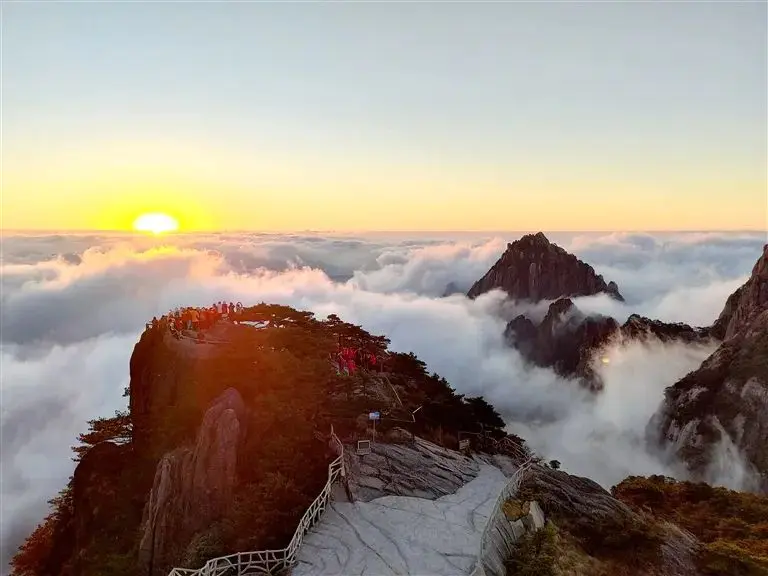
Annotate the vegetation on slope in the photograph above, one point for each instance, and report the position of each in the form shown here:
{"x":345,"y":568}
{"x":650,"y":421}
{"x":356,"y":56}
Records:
{"x":732,"y":525}
{"x":291,"y":392}
{"x":592,"y":532}
{"x":536,"y":553}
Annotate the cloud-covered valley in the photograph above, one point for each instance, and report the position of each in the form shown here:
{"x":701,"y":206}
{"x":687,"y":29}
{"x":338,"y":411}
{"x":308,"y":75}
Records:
{"x":73,"y":306}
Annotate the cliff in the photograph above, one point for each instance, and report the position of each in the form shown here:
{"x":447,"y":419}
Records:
{"x":746,"y":303}
{"x":193,"y":485}
{"x":532,"y":268}
{"x":716,"y":418}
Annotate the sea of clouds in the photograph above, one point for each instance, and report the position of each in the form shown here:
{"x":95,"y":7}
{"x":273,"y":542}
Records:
{"x":73,"y":306}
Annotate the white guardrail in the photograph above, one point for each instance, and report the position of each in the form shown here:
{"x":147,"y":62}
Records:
{"x":509,"y":490}
{"x":271,"y":561}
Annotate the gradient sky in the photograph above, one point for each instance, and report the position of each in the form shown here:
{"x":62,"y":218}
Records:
{"x":425,"y":116}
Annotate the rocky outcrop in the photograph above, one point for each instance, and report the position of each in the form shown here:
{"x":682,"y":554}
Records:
{"x":641,"y":328}
{"x":157,"y":382}
{"x":420,"y":469}
{"x":567,"y":339}
{"x":532,"y":268}
{"x":603,"y":526}
{"x":715,"y":419}
{"x":579,"y":500}
{"x":193,"y":485}
{"x":745,"y":303}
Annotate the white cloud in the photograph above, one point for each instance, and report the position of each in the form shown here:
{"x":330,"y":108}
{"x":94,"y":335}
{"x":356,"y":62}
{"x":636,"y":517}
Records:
{"x":69,"y":324}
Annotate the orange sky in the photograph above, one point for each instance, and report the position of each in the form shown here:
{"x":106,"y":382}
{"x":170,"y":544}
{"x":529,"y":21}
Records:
{"x":262,"y":116}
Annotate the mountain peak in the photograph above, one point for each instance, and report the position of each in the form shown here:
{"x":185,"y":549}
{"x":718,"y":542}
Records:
{"x":533,"y":268}
{"x":538,"y":239}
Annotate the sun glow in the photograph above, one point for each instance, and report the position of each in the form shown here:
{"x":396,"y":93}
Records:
{"x":156,"y":223}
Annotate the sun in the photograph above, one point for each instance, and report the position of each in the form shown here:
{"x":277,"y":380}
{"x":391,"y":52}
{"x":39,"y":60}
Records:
{"x":156,"y":223}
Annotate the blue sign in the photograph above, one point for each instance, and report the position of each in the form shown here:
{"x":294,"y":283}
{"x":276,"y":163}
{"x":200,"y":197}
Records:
{"x":374,"y":416}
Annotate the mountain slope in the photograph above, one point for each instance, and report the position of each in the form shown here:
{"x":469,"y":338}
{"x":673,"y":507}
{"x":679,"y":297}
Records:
{"x":533,"y":268}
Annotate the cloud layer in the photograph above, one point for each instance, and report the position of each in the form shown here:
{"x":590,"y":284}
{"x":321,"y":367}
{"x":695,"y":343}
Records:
{"x":73,"y":306}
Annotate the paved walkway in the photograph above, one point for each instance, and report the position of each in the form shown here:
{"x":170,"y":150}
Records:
{"x":403,"y":535}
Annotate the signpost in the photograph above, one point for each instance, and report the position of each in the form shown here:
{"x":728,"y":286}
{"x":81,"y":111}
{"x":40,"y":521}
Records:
{"x":464,"y":444}
{"x":374,"y":416}
{"x":363,"y":447}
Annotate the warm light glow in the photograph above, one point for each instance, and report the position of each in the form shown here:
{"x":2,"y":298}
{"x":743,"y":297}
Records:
{"x":606,"y":360}
{"x":155,"y":223}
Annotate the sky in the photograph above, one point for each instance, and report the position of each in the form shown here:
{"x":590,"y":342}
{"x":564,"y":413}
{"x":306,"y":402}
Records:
{"x":374,"y":116}
{"x":73,"y":306}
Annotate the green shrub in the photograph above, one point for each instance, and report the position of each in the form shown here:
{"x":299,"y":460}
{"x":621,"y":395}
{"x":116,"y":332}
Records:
{"x":535,"y":553}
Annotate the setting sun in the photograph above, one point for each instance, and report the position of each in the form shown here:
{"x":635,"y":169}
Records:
{"x":155,"y":223}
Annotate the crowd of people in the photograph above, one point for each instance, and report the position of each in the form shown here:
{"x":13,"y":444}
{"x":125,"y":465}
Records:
{"x":349,"y":360}
{"x":198,"y":319}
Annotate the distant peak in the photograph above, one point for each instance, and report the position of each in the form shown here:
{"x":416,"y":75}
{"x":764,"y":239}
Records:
{"x":538,"y":239}
{"x":561,"y":305}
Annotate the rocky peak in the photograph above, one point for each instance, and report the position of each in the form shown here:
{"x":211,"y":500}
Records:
{"x":193,"y":485}
{"x":567,"y":339}
{"x":533,"y":268}
{"x":745,"y":303}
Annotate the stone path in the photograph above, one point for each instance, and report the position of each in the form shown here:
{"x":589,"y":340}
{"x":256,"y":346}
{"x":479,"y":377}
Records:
{"x":403,"y":535}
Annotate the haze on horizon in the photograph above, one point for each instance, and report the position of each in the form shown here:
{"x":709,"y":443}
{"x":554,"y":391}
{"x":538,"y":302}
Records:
{"x":267,"y":116}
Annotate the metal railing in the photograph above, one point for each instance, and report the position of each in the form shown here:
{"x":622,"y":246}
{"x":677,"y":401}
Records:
{"x":272,"y":561}
{"x":507,"y":492}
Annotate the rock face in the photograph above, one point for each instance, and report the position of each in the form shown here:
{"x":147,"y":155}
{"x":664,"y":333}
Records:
{"x":567,"y":339}
{"x":532,"y":268}
{"x":718,"y":414}
{"x":421,"y":469}
{"x":746,"y":303}
{"x":641,"y":328}
{"x":95,"y":483}
{"x":193,"y":485}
